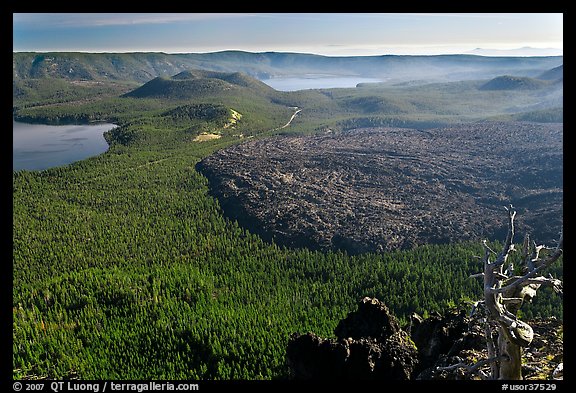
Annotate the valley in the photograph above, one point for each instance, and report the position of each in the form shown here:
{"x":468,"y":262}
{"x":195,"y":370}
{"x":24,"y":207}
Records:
{"x":132,"y":264}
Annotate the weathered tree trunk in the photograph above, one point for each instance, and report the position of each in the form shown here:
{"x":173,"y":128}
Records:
{"x":504,"y":293}
{"x":511,"y":366}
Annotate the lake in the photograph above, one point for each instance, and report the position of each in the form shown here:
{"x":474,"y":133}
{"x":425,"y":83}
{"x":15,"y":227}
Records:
{"x":39,"y":146}
{"x":316,"y":81}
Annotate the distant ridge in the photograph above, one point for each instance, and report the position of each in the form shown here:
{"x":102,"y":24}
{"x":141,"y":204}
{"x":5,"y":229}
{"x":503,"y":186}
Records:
{"x":553,"y":74}
{"x":508,"y":82}
{"x":524,"y":51}
{"x":143,"y":67}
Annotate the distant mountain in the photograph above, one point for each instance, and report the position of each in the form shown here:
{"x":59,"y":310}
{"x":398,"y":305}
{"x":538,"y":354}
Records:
{"x":524,"y":51}
{"x":200,"y":83}
{"x":508,"y":82}
{"x":553,"y":74}
{"x":143,"y":67}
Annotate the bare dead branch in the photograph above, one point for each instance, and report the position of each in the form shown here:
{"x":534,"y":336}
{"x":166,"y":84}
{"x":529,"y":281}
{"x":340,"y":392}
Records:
{"x":474,"y":368}
{"x":475,"y":307}
{"x":552,"y":282}
{"x":484,"y":362}
{"x":512,"y":300}
{"x":557,"y":253}
{"x":504,"y":294}
{"x":537,"y":249}
{"x":491,"y":348}
{"x":508,"y":245}
{"x":526,"y":247}
{"x":516,"y":283}
{"x":487,"y":249}
{"x":453,"y":367}
{"x":529,"y":278}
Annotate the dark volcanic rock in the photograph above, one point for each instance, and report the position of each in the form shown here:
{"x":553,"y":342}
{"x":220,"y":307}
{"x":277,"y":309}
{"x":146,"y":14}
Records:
{"x":540,"y":360}
{"x":372,"y":319}
{"x":379,"y":189}
{"x":312,"y":357}
{"x":443,"y":335}
{"x":370,"y":346}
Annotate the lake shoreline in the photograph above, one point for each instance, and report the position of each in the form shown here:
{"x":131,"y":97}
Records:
{"x":39,"y":146}
{"x":60,"y":121}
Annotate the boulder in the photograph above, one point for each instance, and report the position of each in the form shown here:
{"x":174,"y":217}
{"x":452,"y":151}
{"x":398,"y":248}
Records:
{"x":370,"y":346}
{"x":372,"y":319}
{"x":436,"y":335}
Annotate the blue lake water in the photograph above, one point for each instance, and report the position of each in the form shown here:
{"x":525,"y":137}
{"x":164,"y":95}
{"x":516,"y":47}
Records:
{"x":315,"y":81}
{"x":39,"y":146}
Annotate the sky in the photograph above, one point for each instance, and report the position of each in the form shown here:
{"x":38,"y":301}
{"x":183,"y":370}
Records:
{"x":334,"y":34}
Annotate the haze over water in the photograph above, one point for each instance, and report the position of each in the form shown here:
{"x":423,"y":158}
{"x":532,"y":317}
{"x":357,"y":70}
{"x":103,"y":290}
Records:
{"x":314,"y":81}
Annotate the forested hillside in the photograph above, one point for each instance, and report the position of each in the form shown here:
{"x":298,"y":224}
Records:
{"x":127,"y":254}
{"x":125,"y":267}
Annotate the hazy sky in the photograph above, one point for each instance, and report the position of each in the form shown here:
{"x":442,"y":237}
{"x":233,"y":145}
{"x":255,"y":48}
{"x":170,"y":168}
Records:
{"x":337,"y":34}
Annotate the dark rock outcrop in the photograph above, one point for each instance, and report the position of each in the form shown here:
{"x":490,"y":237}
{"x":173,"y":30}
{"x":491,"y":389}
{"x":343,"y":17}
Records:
{"x":540,"y":361}
{"x":372,"y":319}
{"x":312,"y":357}
{"x":381,"y":189}
{"x":440,"y":339}
{"x":436,"y":335}
{"x":370,"y":346}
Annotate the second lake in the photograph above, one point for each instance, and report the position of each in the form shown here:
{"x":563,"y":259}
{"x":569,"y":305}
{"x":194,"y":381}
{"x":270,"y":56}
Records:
{"x":316,"y":81}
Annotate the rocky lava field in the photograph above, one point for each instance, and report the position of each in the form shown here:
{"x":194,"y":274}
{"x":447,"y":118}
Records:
{"x":379,"y":189}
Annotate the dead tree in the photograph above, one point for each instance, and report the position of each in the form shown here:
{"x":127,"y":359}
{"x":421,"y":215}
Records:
{"x":506,"y":287}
